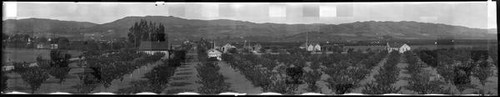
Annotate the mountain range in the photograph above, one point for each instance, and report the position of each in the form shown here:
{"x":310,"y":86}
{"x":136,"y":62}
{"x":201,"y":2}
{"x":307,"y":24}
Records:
{"x":181,"y":28}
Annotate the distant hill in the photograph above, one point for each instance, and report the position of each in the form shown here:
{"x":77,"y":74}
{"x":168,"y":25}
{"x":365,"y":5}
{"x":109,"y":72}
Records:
{"x":184,"y":28}
{"x":44,"y":27}
{"x":194,"y":29}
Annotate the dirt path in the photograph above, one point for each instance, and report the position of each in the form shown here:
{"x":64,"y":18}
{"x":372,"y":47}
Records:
{"x":185,"y":76}
{"x":403,"y":76}
{"x":136,"y":75}
{"x":371,"y":77}
{"x":237,"y":80}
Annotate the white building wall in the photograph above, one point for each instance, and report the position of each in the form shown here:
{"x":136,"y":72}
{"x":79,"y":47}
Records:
{"x":7,"y":68}
{"x":310,"y":48}
{"x":404,"y":48}
{"x":317,"y":47}
{"x":152,"y":52}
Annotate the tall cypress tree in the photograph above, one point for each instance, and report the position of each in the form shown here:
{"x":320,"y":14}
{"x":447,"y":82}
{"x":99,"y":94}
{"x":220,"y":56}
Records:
{"x":146,"y":31}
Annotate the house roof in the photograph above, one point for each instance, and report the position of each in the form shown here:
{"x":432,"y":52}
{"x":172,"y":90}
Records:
{"x":153,"y":45}
{"x":395,"y":44}
{"x":228,"y":45}
{"x":214,"y":51}
{"x":310,"y":43}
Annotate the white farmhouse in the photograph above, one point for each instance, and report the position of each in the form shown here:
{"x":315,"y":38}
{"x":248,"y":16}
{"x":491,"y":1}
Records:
{"x":303,"y":46}
{"x":310,"y":48}
{"x":54,"y":46}
{"x":213,"y":53}
{"x":33,"y":65}
{"x":227,"y":47}
{"x":256,"y":48}
{"x":398,"y":47}
{"x":151,"y":47}
{"x":317,"y":47}
{"x":404,"y":48}
{"x":7,"y":68}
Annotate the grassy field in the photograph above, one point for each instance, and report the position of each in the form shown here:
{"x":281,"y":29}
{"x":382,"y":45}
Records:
{"x":29,"y":55}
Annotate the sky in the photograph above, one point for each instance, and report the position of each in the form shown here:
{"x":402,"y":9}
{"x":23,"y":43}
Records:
{"x":468,"y":14}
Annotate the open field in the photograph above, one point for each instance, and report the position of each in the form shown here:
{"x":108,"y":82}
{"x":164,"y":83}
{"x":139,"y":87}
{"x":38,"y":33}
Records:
{"x":29,"y":55}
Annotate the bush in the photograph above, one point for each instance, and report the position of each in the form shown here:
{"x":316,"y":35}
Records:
{"x":211,"y":79}
{"x":311,"y":78}
{"x":34,"y":76}
{"x":4,"y":82}
{"x":388,"y":74}
{"x":59,"y":58}
{"x":421,"y":83}
{"x":159,"y":76}
{"x":59,"y":72}
{"x":373,"y":88}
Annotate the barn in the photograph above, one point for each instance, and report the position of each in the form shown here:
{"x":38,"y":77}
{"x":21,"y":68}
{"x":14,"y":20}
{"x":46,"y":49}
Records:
{"x":151,"y":47}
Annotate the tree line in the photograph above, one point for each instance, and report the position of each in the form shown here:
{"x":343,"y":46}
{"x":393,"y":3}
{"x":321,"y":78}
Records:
{"x":146,"y":31}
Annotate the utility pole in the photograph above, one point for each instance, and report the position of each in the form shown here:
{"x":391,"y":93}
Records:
{"x":307,"y":39}
{"x":245,"y":44}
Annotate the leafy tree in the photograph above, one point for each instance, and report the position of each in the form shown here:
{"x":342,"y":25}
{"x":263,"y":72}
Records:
{"x":421,"y":83}
{"x":146,"y":31}
{"x":59,"y":72}
{"x":5,"y":36}
{"x":4,"y":82}
{"x":63,"y":42}
{"x":34,"y":76}
{"x":483,"y":71}
{"x":211,"y":79}
{"x":59,"y":58}
{"x":311,"y":78}
{"x":373,"y":88}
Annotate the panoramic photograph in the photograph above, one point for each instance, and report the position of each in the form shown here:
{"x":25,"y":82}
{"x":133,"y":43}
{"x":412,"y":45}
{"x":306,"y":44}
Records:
{"x":295,"y":48}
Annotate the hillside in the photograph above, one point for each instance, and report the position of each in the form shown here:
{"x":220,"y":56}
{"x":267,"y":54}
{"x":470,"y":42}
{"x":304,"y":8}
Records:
{"x":44,"y":27}
{"x":194,"y":29}
{"x":191,"y":28}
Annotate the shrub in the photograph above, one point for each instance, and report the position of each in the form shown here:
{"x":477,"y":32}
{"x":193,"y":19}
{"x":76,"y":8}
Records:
{"x":311,"y":78}
{"x":4,"y":82}
{"x":373,"y":88}
{"x":211,"y":79}
{"x":421,"y":83}
{"x":34,"y":76}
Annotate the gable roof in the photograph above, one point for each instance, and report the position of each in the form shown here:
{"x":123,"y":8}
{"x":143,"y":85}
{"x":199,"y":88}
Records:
{"x":228,"y":45}
{"x":214,"y":51}
{"x":153,"y":46}
{"x":395,"y":44}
